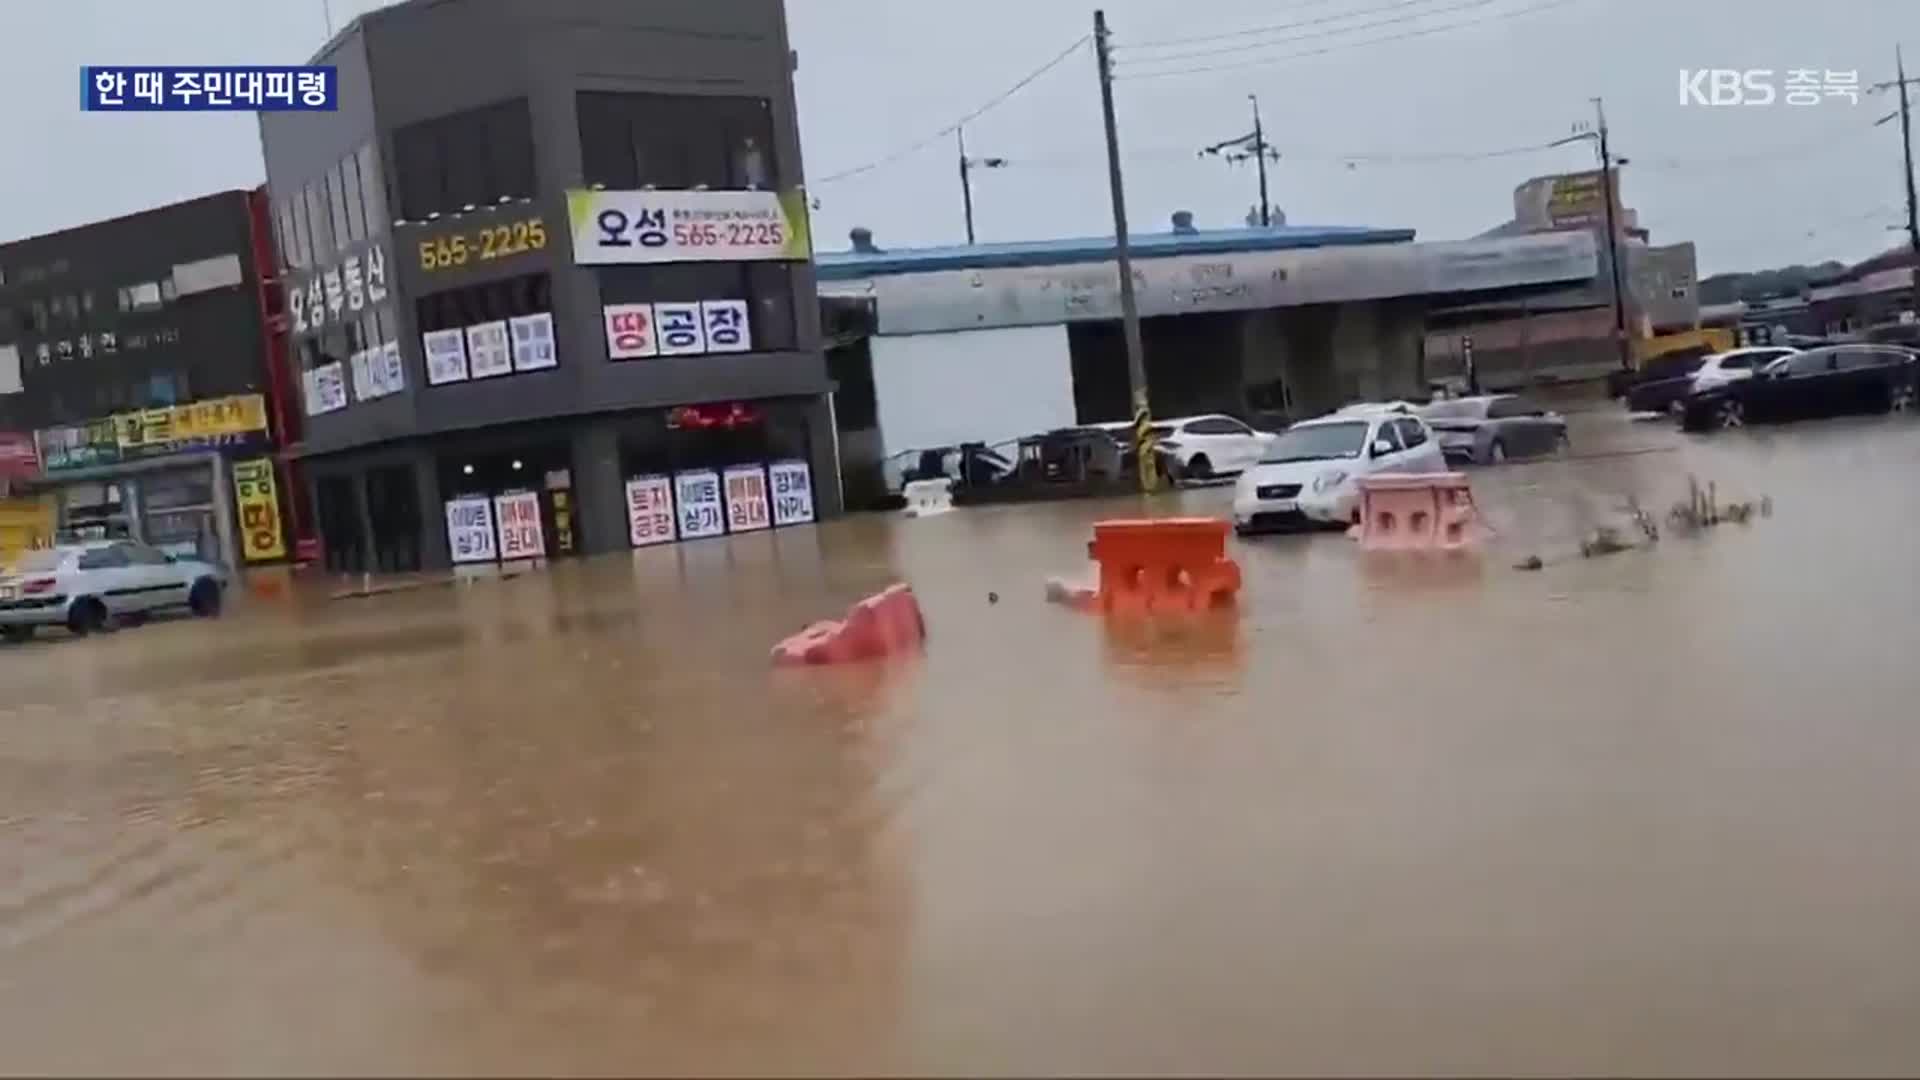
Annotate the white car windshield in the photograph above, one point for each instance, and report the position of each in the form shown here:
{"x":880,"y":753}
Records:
{"x":1317,"y":442}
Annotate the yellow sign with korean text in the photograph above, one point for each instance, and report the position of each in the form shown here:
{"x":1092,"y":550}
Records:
{"x":242,"y":414}
{"x":258,"y":500}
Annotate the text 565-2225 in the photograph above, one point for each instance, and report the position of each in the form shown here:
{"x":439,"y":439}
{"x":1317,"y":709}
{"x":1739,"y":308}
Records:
{"x":483,"y":244}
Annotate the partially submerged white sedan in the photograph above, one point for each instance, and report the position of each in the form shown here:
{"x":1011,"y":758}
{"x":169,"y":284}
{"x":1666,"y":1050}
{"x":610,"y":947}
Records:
{"x":1311,"y":474}
{"x":88,"y":587}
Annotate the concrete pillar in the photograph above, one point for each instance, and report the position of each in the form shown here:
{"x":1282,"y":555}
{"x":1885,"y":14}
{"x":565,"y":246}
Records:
{"x":434,"y":553}
{"x":599,"y":489}
{"x":823,"y":456}
{"x":1399,"y":330}
{"x":1356,"y":358}
{"x":221,"y":474}
{"x":1312,"y":385}
{"x":363,"y":511}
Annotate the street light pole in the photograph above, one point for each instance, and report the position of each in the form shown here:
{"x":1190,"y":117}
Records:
{"x":1145,"y":462}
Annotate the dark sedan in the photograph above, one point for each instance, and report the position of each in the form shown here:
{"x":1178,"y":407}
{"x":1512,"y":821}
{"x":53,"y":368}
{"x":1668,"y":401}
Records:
{"x":1491,"y":428}
{"x":1834,"y":381}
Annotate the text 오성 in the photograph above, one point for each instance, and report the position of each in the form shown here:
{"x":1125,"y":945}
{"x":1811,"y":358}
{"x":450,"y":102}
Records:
{"x":142,"y":88}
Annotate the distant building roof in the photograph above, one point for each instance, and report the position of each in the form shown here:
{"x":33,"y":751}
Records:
{"x":850,"y":265}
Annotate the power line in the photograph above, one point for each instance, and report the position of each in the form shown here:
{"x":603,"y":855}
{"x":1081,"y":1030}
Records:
{"x":1195,"y":54}
{"x":1820,"y":141}
{"x":1182,"y":153}
{"x":1345,"y":46}
{"x":1258,"y":31}
{"x":937,"y":136}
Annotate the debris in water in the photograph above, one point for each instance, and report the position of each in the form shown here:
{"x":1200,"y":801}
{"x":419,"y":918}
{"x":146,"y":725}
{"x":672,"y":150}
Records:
{"x":1702,"y":508}
{"x":1531,"y":562}
{"x":993,"y":597}
{"x":1604,"y":541}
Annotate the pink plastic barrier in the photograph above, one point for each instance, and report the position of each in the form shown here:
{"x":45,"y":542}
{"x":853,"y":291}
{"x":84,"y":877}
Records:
{"x":1432,"y":512}
{"x":887,"y":623}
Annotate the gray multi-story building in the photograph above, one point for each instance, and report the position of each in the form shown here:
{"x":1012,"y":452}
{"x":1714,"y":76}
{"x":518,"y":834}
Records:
{"x":141,"y":388}
{"x":549,"y":282}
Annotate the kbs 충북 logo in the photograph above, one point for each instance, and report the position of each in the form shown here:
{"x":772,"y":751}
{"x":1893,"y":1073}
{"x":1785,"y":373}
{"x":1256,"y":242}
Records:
{"x":1765,"y":86}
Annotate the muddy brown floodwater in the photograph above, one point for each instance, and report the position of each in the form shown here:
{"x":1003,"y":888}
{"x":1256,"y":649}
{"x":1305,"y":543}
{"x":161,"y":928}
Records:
{"x":1648,"y":813}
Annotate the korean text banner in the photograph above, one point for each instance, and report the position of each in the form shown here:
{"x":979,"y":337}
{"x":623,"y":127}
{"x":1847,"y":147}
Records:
{"x":239,"y":415}
{"x":688,"y":226}
{"x":257,"y":498}
{"x":220,"y":422}
{"x":149,"y":88}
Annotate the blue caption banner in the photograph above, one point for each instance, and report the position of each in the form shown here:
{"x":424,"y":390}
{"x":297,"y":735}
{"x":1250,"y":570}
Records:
{"x":209,"y":89}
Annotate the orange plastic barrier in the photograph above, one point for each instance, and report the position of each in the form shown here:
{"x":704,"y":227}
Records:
{"x":1165,"y":565}
{"x":1434,"y":512}
{"x":887,"y":623}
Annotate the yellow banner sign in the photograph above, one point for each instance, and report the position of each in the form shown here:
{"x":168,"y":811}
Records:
{"x":238,"y":415}
{"x":258,"y":500}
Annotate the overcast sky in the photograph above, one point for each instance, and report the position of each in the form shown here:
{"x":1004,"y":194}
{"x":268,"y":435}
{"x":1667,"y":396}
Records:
{"x":1752,"y":186}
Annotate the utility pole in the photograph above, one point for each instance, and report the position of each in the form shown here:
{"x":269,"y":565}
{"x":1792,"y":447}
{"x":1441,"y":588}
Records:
{"x":966,"y":183}
{"x":1145,"y":462}
{"x":1253,"y":146}
{"x":1901,"y":82}
{"x":1260,"y":158}
{"x":1621,"y":342}
{"x":967,"y":165}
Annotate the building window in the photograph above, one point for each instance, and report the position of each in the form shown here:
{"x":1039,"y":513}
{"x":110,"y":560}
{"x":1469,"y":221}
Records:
{"x":373,"y":191}
{"x":337,"y":207}
{"x":675,"y":141}
{"x":766,"y":287}
{"x":297,"y":231}
{"x":356,"y":204}
{"x":456,"y":309}
{"x":464,"y":161}
{"x":319,"y":234}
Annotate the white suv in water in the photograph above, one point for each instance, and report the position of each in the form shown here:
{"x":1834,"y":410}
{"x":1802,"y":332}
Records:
{"x":1312,"y":473}
{"x":86,"y":587}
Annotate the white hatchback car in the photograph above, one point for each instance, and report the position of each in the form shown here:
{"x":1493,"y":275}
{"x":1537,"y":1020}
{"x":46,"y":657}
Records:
{"x":1207,"y":446}
{"x":86,"y":587}
{"x":1312,"y":473}
{"x":1735,"y":364}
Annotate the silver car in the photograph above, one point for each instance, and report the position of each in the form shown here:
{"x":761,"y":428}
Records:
{"x":1494,"y":427}
{"x":91,"y":586}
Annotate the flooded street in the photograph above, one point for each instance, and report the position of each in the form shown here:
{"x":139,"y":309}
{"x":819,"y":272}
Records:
{"x":1646,"y":813}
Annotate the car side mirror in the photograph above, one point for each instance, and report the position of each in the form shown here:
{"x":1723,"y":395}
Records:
{"x":1382,"y":447}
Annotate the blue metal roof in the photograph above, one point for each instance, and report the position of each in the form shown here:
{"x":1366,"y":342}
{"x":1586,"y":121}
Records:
{"x":850,"y":265}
